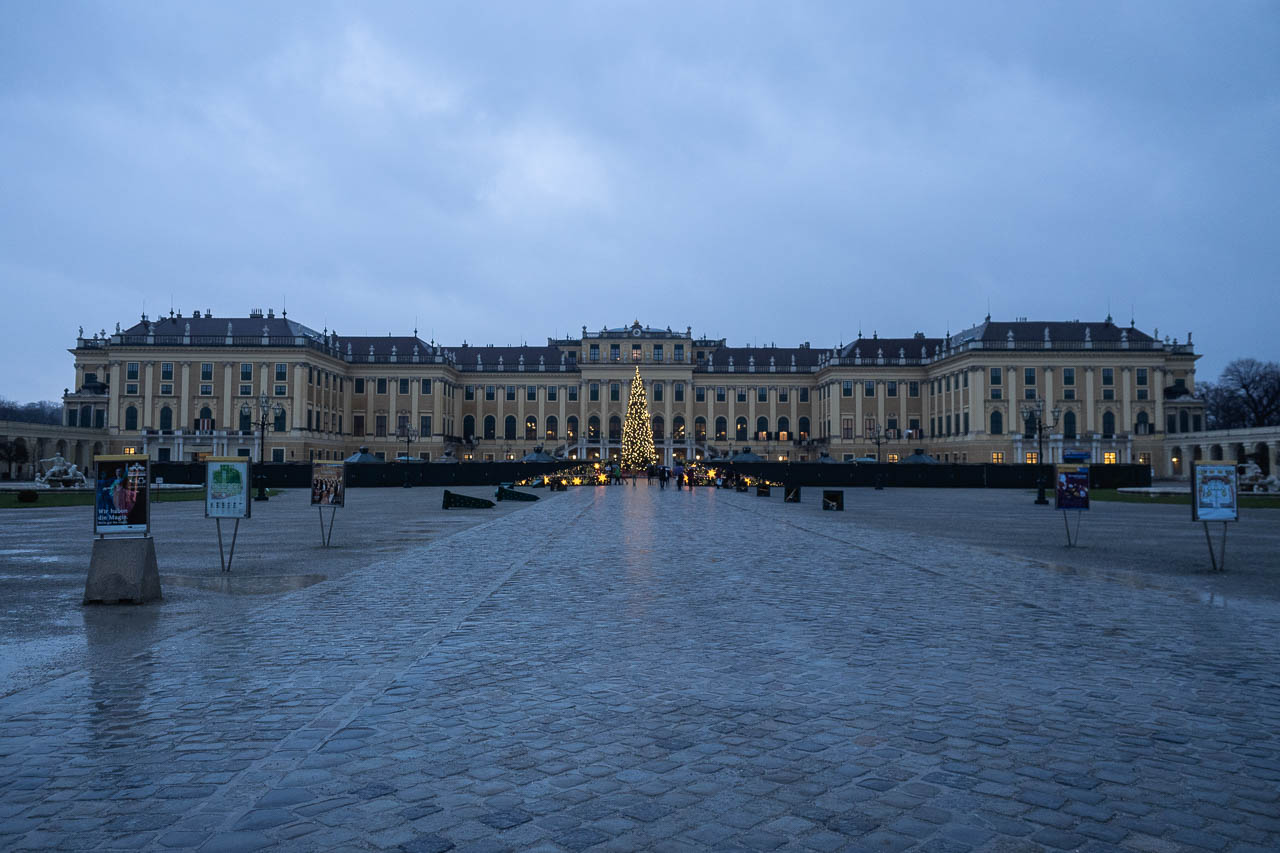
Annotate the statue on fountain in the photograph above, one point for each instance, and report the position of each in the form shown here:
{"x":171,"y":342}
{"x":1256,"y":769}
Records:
{"x":1252,"y":479}
{"x":60,"y":473}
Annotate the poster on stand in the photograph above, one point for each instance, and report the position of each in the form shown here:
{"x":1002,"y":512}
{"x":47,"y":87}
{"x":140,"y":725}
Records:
{"x":122,"y":497}
{"x":226,"y":487}
{"x":1214,"y":492}
{"x":328,"y":483}
{"x":1072,"y":487}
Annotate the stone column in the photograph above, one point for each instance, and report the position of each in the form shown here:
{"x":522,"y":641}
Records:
{"x":184,"y":422}
{"x":148,"y":422}
{"x":978,"y":401}
{"x":1157,"y":392}
{"x":1126,"y":404}
{"x":1090,"y":425}
{"x":227,"y":393}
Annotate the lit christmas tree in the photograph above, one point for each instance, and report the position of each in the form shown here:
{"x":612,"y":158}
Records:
{"x":637,"y":434}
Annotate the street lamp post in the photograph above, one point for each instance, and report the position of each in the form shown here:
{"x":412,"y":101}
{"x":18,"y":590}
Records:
{"x":1033,"y":415}
{"x":408,"y":434}
{"x":266,"y":411}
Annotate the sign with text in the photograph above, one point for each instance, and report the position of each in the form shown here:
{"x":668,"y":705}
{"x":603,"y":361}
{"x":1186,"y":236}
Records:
{"x":1214,"y":489}
{"x":122,"y":498}
{"x":328,"y":483}
{"x":1072,"y":487}
{"x":226,"y":487}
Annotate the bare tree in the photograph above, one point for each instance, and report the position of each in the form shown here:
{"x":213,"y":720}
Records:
{"x":12,"y":453}
{"x":1256,"y":386}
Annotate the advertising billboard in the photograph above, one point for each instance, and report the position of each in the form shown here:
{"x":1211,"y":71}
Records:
{"x":122,"y":498}
{"x":1214,"y":490}
{"x":328,"y":483}
{"x":1072,"y":490}
{"x":226,"y":487}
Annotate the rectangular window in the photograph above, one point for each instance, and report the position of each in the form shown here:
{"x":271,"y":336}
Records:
{"x":246,"y":371}
{"x":1028,"y":376}
{"x":1108,"y":376}
{"x":357,"y":424}
{"x":657,"y":392}
{"x":166,"y":371}
{"x":997,"y":393}
{"x":468,"y":392}
{"x":359,"y":386}
{"x":891,"y":388}
{"x":679,"y":391}
{"x":966,"y":423}
{"x":635,"y":352}
{"x":424,"y":426}
{"x":804,"y":395}
{"x":1068,"y":393}
{"x":615,"y":354}
{"x":380,"y":426}
{"x":657,"y":352}
{"x":531,"y":393}
{"x":1108,"y":393}
{"x":1033,"y":458}
{"x":1068,"y":376}
{"x":594,"y":352}
{"x":868,"y":427}
{"x":131,"y":388}
{"x":762,"y":394}
{"x":615,"y":391}
{"x":308,"y":419}
{"x":404,"y":386}
{"x":426,"y":386}
{"x":913,"y":389}
{"x":741,"y":395}
{"x":206,"y":390}
{"x":206,"y":371}
{"x":593,"y":391}
{"x":246,"y":390}
{"x":1109,"y":457}
{"x":678,"y":355}
{"x":720,"y":398}
{"x":311,"y":378}
{"x":1029,"y":393}
{"x":846,"y":388}
{"x":966,"y":379}
{"x":282,"y":390}
{"x":166,"y":390}
{"x":1142,"y":376}
{"x":490,"y":392}
{"x":131,"y":371}
{"x":573,"y":393}
{"x":997,"y":457}
{"x":282,"y":372}
{"x":1142,"y":393}
{"x":382,"y":385}
{"x":1144,"y":458}
{"x":869,"y":388}
{"x":893,"y":457}
{"x":784,"y":395}
{"x":700,"y":393}
{"x":946,"y":383}
{"x":552,"y":393}
{"x":846,"y":427}
{"x":997,"y":376}
{"x":511,"y":393}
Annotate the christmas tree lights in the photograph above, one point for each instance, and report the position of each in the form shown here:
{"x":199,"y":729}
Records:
{"x":637,"y":433}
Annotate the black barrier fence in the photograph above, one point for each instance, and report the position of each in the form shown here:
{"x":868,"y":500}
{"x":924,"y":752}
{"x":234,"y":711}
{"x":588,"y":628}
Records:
{"x":297,"y":475}
{"x":932,"y":476}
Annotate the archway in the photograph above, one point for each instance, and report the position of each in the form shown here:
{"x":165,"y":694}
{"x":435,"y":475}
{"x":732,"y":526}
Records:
{"x":1069,"y":424}
{"x":1177,"y":461}
{"x":1262,"y":457}
{"x":1215,"y":452}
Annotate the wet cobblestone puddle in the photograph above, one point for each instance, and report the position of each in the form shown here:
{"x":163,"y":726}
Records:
{"x":642,"y":669}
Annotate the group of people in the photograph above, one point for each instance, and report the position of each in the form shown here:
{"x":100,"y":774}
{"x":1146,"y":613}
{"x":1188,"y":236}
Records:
{"x":665,"y":474}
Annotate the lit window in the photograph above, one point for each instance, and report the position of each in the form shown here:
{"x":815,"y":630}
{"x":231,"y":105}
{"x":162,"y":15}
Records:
{"x":1109,"y":457}
{"x":1033,"y":458}
{"x":997,"y":457}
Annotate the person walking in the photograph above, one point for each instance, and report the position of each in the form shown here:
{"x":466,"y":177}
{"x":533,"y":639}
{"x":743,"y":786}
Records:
{"x":664,"y":474}
{"x":679,"y":475}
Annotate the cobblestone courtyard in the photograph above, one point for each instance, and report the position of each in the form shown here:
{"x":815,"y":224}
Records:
{"x":630,"y":668}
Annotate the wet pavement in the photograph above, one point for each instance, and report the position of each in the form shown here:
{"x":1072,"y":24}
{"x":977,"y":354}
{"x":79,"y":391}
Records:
{"x":630,"y":668}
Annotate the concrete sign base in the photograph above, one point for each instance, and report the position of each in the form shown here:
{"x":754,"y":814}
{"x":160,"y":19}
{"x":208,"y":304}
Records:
{"x":122,"y":570}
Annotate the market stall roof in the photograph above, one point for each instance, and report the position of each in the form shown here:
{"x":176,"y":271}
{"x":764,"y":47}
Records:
{"x":363,"y":456}
{"x":745,"y":455}
{"x":824,"y":456}
{"x":919,"y":457}
{"x":537,"y":455}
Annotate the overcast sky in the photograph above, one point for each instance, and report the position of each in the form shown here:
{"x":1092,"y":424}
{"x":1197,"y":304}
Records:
{"x":767,"y":172}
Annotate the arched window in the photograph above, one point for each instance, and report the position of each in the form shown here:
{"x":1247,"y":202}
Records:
{"x":490,"y":427}
{"x":531,"y":428}
{"x":571,"y":428}
{"x":722,"y":428}
{"x":740,"y":429}
{"x":699,"y":429}
{"x":803,"y":428}
{"x":166,"y":417}
{"x":1184,"y":421}
{"x":593,"y":428}
{"x":1108,"y":424}
{"x":279,"y":425}
{"x":997,"y":423}
{"x":1069,"y":424}
{"x":469,"y":426}
{"x":131,"y":418}
{"x":509,"y":428}
{"x":1144,"y":424}
{"x":784,"y":426}
{"x":615,"y":428}
{"x":677,"y":428}
{"x":762,"y":427}
{"x":658,"y":427}
{"x":205,"y":421}
{"x":553,"y":426}
{"x":246,"y":421}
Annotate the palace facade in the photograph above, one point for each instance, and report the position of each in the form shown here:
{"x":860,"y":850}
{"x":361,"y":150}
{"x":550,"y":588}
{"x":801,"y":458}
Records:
{"x":184,"y":387}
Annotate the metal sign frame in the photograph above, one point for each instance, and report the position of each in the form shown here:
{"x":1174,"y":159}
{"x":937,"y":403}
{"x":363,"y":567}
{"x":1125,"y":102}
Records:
{"x":132,"y":470}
